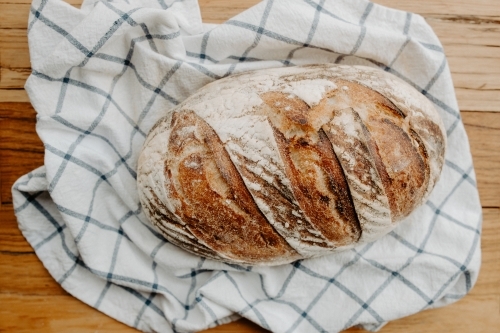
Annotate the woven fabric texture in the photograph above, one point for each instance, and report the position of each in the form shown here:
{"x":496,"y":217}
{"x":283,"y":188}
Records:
{"x":102,"y":76}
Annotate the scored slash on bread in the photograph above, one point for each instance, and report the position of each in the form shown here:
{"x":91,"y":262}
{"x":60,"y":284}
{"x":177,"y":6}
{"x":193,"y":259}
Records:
{"x":212,"y":199}
{"x":271,"y":166}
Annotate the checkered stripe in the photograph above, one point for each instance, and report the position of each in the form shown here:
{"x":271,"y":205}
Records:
{"x":96,"y":106}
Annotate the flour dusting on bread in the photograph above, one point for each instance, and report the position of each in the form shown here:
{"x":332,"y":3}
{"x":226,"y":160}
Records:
{"x":269,"y":166}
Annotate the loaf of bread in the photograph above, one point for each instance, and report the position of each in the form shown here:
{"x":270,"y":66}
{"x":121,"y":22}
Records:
{"x":275,"y":165}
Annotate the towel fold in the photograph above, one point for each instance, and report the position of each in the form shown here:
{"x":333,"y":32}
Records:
{"x":105,"y":73}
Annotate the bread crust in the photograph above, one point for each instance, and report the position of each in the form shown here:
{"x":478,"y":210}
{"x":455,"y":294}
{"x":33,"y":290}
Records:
{"x":270,"y":166}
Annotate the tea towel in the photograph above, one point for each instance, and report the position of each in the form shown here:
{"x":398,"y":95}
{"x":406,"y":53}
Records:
{"x":103,"y":74}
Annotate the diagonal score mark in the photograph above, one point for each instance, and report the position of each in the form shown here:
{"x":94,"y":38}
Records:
{"x":288,"y":40}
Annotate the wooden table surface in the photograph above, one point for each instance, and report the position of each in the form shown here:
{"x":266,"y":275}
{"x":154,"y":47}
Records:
{"x":31,"y":301}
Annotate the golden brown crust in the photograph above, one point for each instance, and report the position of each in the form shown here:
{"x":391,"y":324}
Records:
{"x":212,"y":199}
{"x":176,"y":231}
{"x":284,"y":211}
{"x":320,"y":187}
{"x":282,"y":164}
{"x":402,"y":167}
{"x":316,"y":177}
{"x":400,"y":157}
{"x":358,"y":156}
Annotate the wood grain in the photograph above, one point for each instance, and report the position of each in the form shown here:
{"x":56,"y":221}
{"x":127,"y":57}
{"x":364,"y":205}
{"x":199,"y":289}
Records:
{"x":456,"y":7}
{"x":61,"y":313}
{"x":12,"y":241}
{"x":14,"y":95}
{"x":71,"y":315}
{"x":30,"y":300}
{"x":484,"y":138}
{"x":13,"y":164}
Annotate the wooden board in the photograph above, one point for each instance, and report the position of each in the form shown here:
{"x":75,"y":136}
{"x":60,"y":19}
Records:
{"x":30,"y":300}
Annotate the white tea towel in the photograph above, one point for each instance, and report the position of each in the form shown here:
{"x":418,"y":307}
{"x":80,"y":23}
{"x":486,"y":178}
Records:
{"x":102,"y":76}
